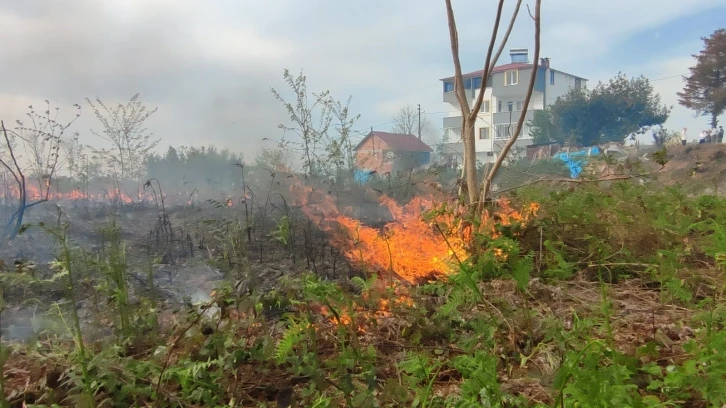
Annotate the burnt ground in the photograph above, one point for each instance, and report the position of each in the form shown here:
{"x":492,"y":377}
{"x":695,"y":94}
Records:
{"x":186,"y":245}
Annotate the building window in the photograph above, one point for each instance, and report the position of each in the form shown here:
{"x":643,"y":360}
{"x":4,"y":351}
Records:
{"x":511,"y":78}
{"x":490,"y":154}
{"x":485,"y":106}
{"x":503,"y":131}
{"x":484,"y":133}
{"x":519,"y":105}
{"x":552,"y":77}
{"x":578,"y":83}
{"x":467,"y":83}
{"x":476,"y":83}
{"x":448,"y":87}
{"x":453,"y":134}
{"x":510,"y":106}
{"x":499,"y":106}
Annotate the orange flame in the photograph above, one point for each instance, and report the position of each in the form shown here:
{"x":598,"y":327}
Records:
{"x":33,"y":193}
{"x":408,"y":247}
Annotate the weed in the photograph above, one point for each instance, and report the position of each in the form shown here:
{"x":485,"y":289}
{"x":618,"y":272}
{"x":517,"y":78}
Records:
{"x":609,"y":296}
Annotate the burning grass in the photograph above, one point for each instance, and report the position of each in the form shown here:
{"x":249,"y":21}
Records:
{"x":34,"y":193}
{"x":422,"y":242}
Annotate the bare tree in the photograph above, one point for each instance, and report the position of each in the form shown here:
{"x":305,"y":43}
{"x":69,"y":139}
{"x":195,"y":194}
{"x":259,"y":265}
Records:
{"x":303,"y":113}
{"x":73,"y":153}
{"x":42,"y":140}
{"x":313,"y":121}
{"x":489,"y":177}
{"x":340,"y":151}
{"x":123,"y":126}
{"x":46,"y":146}
{"x":469,"y":114}
{"x":407,"y":121}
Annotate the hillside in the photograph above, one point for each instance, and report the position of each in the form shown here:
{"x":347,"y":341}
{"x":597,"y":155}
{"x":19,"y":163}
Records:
{"x":698,"y":167}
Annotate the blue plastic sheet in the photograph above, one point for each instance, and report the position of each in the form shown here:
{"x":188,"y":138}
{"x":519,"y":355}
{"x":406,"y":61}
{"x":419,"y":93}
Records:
{"x":575,"y":160}
{"x":362,"y":176}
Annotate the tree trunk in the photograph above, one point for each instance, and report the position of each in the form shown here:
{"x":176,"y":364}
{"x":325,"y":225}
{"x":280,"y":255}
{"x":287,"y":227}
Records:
{"x":470,"y":115}
{"x":470,"y":160}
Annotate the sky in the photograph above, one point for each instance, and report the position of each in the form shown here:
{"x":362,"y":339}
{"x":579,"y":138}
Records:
{"x":208,"y":65}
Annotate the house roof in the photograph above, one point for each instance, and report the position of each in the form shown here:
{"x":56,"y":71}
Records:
{"x":505,"y":67}
{"x":400,"y":142}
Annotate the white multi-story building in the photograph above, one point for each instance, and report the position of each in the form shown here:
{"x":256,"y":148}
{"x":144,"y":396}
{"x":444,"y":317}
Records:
{"x":502,"y":104}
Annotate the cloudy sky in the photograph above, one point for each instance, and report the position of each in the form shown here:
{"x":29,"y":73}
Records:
{"x":208,"y":65}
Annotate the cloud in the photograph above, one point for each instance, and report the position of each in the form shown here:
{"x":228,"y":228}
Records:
{"x":672,"y":82}
{"x":209,"y":66}
{"x":210,"y":81}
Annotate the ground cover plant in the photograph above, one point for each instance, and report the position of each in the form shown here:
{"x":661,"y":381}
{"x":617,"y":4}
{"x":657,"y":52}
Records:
{"x":582,"y":294}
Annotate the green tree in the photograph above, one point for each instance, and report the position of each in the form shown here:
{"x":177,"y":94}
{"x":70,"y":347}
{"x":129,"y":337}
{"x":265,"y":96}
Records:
{"x":610,"y":112}
{"x":273,"y":159}
{"x":705,"y":89}
{"x":542,"y":128}
{"x":627,"y":106}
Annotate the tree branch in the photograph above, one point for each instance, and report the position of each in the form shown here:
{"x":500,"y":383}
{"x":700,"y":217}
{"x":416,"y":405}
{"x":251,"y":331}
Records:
{"x":492,"y":62}
{"x":486,"y":187}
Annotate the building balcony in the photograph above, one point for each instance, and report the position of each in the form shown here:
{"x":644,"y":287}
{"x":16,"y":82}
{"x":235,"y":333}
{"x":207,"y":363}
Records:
{"x":450,"y":97}
{"x":511,"y":117}
{"x":452,"y":122}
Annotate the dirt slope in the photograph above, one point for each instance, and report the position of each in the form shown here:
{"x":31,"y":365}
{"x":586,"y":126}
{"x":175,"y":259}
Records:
{"x":697,"y":167}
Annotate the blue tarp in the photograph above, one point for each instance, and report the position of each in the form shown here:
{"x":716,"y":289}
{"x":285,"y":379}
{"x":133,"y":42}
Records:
{"x":571,"y":161}
{"x":362,"y":176}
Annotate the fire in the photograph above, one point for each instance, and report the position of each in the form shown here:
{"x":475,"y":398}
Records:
{"x":409,"y":247}
{"x":361,"y":316}
{"x":33,"y":193}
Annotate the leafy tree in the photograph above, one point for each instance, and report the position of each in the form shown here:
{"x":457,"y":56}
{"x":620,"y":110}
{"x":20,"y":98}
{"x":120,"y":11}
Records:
{"x":705,"y":89}
{"x":542,"y":128}
{"x":205,"y":169}
{"x":610,"y":112}
{"x":273,"y":159}
{"x":570,"y":116}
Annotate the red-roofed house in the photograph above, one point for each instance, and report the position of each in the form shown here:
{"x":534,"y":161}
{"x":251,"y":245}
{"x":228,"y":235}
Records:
{"x":503,"y":102}
{"x":385,"y":152}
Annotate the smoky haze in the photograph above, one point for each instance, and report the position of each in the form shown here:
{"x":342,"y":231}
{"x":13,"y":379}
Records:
{"x":208,"y":65}
{"x":65,"y":51}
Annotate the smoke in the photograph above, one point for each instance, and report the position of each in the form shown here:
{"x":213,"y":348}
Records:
{"x":21,"y":324}
{"x":200,"y":298}
{"x":66,"y":51}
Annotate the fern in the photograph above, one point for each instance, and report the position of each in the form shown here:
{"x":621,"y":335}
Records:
{"x":557,"y":266}
{"x":282,"y":233}
{"x":479,"y":372}
{"x":290,"y":338}
{"x":521,"y":269}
